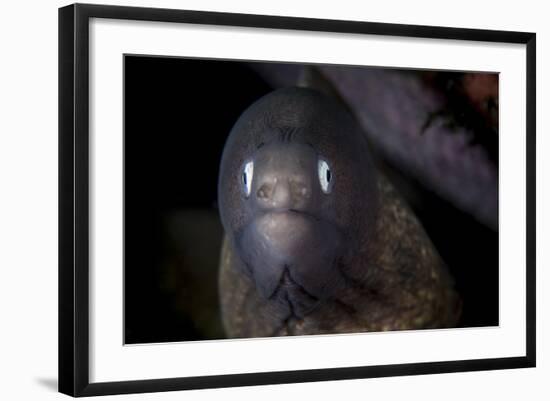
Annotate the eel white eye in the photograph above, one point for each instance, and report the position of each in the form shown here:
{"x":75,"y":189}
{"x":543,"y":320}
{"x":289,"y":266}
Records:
{"x":248,"y":173}
{"x":325,"y":176}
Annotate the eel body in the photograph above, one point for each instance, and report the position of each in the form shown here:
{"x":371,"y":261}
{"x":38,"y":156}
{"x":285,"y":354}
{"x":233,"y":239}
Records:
{"x":317,"y":241}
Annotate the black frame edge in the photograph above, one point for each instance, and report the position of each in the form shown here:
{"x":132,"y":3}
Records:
{"x":300,"y":376}
{"x":66,"y":340}
{"x":73,"y":133}
{"x":73,"y":278}
{"x":301,"y":23}
{"x":81,"y":195}
{"x":531,"y":223}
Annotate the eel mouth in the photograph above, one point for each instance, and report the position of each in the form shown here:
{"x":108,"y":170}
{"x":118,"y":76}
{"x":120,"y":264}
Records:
{"x":284,"y":231}
{"x":290,"y":256}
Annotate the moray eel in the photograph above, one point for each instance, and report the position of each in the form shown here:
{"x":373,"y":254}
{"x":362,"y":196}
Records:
{"x":316,"y":239}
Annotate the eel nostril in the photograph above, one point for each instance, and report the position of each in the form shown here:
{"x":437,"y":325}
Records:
{"x":283,"y":192}
{"x":264,"y":192}
{"x":300,"y":190}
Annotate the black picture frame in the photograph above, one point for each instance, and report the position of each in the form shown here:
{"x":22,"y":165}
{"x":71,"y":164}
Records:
{"x":74,"y":198}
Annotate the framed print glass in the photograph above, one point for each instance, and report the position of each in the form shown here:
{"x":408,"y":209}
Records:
{"x":251,"y":199}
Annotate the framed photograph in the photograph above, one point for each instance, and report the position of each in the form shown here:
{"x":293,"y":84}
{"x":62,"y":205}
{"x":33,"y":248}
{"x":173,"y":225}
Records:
{"x":252,"y":199}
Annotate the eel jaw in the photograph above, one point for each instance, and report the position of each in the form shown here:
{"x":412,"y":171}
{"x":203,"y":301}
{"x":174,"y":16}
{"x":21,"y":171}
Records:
{"x":290,"y":256}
